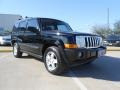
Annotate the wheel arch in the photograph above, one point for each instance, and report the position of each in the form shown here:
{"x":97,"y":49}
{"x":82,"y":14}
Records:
{"x":12,"y":42}
{"x":56,"y":43}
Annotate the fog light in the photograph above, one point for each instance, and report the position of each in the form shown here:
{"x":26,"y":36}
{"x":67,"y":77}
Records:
{"x":80,"y":54}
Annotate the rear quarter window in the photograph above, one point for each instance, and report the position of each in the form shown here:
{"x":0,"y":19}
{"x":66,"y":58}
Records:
{"x":22,"y":25}
{"x":15,"y":27}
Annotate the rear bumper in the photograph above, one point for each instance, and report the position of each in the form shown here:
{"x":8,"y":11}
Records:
{"x":81,"y":56}
{"x":5,"y":42}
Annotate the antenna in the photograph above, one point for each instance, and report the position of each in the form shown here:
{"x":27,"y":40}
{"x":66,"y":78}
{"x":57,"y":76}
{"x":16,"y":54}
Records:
{"x":108,"y":16}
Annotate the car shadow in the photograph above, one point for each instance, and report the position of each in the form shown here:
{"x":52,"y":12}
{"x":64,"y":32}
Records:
{"x":105,"y":68}
{"x":31,"y":57}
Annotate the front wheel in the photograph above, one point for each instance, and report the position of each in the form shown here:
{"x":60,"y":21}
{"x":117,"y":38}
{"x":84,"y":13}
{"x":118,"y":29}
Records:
{"x":53,"y":61}
{"x":16,"y":51}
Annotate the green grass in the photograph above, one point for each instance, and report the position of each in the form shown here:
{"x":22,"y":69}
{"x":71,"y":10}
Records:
{"x":108,"y":49}
{"x":6,"y":50}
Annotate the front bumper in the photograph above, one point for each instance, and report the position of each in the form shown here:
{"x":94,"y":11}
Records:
{"x":81,"y":56}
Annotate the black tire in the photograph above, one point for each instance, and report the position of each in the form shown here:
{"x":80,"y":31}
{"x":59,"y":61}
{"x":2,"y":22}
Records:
{"x":60,"y":66}
{"x":17,"y":53}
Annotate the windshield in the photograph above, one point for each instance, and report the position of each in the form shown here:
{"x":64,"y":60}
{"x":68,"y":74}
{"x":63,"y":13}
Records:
{"x":55,"y":25}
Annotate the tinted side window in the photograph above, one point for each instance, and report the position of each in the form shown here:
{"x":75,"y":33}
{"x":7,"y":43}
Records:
{"x":32,"y":26}
{"x":62,"y":27}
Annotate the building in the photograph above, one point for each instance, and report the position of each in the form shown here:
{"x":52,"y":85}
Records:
{"x":7,"y":21}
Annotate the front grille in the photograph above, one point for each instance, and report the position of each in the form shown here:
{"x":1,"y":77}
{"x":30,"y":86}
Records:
{"x":92,"y":42}
{"x":88,"y":41}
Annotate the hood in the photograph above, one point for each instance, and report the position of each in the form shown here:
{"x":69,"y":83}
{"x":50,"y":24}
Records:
{"x":78,"y":33}
{"x":55,"y":32}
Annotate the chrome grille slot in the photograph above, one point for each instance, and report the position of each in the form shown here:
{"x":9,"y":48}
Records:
{"x":95,"y":42}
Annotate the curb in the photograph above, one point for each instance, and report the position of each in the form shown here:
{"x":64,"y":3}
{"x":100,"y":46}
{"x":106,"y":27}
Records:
{"x":6,"y":50}
{"x":113,"y":49}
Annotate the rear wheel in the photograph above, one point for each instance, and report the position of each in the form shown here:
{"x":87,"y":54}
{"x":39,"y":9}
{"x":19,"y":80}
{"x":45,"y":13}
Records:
{"x":16,"y":51}
{"x":53,"y":61}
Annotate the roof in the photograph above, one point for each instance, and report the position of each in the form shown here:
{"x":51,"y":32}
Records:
{"x":28,"y":18}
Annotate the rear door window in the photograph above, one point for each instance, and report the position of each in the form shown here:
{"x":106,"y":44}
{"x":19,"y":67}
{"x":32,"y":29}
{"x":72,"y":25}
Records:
{"x":32,"y":27}
{"x":22,"y":27}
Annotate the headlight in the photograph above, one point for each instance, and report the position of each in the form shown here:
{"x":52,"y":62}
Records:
{"x":80,"y":41}
{"x":101,"y":41}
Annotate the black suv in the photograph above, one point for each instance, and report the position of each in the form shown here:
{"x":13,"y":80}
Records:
{"x":55,"y":42}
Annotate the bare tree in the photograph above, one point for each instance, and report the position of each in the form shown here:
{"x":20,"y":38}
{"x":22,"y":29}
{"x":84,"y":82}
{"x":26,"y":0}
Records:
{"x":101,"y":30}
{"x":117,"y":27}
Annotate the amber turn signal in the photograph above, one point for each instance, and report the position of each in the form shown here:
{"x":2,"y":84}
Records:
{"x":70,"y":46}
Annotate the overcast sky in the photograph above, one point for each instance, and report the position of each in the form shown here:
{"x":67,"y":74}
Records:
{"x":80,"y":14}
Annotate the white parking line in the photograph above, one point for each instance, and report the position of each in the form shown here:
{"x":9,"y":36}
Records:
{"x":6,"y":58}
{"x":77,"y":81}
{"x":71,"y":74}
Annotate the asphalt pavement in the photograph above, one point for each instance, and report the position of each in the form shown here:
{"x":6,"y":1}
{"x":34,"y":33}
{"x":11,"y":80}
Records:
{"x":29,"y":73}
